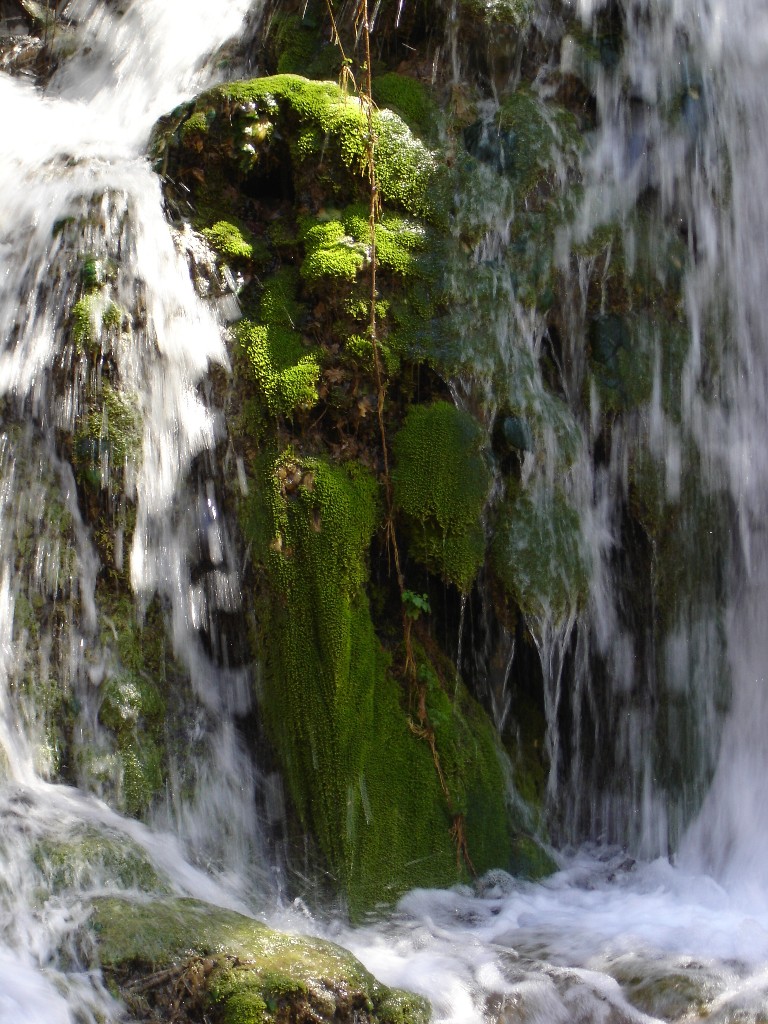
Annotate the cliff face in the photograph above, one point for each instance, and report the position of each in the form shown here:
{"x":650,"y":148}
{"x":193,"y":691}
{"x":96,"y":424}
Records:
{"x":416,"y":359}
{"x":367,"y":486}
{"x":438,"y":364}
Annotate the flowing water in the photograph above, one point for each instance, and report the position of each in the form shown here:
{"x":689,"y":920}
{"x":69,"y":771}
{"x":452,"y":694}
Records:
{"x":609,"y":938}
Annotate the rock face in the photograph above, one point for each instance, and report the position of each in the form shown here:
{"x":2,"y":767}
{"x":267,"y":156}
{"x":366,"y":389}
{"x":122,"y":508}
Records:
{"x":376,"y":251}
{"x":430,"y":368}
{"x":391,"y":765}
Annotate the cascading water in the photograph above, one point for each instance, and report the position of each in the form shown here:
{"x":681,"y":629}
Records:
{"x":74,"y":178}
{"x":605,"y":939}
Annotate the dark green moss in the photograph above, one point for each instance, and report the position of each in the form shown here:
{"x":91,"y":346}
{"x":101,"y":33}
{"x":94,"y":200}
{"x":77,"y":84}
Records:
{"x":441,"y":484}
{"x":409,"y":98}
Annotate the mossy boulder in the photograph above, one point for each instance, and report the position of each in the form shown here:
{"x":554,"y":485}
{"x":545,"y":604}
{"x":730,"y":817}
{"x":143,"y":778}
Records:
{"x":401,"y":782}
{"x":325,"y":132}
{"x":232,"y":969}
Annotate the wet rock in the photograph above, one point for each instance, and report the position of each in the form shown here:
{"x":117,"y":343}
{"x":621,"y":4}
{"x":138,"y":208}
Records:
{"x":184,"y":960}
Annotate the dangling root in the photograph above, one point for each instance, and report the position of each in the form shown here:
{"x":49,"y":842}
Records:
{"x":459,"y":836}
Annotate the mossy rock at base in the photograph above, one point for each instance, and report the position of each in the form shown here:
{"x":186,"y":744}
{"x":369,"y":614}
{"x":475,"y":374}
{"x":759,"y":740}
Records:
{"x":234,"y":970}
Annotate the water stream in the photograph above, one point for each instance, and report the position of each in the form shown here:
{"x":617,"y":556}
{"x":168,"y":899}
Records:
{"x":614,"y":937}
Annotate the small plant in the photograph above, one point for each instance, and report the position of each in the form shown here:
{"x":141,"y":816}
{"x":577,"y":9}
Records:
{"x":415,"y":604}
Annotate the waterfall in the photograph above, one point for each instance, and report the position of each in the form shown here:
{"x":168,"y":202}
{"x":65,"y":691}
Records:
{"x":652,"y":685}
{"x":80,"y":203}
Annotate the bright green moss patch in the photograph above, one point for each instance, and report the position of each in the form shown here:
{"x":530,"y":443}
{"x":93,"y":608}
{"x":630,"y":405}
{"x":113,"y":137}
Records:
{"x":112,"y":317}
{"x":231,"y":241}
{"x":285,"y":372}
{"x":328,"y":130}
{"x":360,"y":776}
{"x":82,"y":324}
{"x":313,"y":522}
{"x":441,"y":483}
{"x":235,"y":970}
{"x":197,"y":124}
{"x":331,"y":253}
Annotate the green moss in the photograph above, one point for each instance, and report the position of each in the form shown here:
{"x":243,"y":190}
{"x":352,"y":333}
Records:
{"x":95,"y":273}
{"x":535,"y":135}
{"x":537,"y":553}
{"x":409,"y":98}
{"x":362,"y":350}
{"x":331,"y":253}
{"x":129,"y":700}
{"x":196,"y":124}
{"x":132,"y":712}
{"x":233,"y":242}
{"x":313,"y":523}
{"x":441,"y":484}
{"x":82,"y":324}
{"x":108,"y":437}
{"x":621,"y":361}
{"x":299,"y":46}
{"x":285,"y":372}
{"x":399,"y":245}
{"x":279,"y":305}
{"x":93,"y":859}
{"x":329,"y":129}
{"x":112,"y":317}
{"x":253,"y":973}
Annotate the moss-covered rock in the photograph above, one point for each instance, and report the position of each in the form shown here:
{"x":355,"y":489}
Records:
{"x":392,"y":800}
{"x":234,"y":970}
{"x":538,"y":554}
{"x":326,"y":133}
{"x":89,"y":858}
{"x":361,"y":774}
